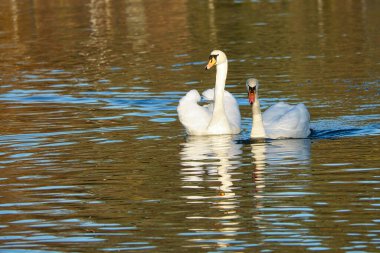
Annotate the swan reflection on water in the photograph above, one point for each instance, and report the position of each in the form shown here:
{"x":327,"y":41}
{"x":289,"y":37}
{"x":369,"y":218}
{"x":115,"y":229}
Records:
{"x":208,"y":164}
{"x":214,"y":170}
{"x":204,"y":157}
{"x":210,"y":159}
{"x":273,"y":154}
{"x":281,"y":180}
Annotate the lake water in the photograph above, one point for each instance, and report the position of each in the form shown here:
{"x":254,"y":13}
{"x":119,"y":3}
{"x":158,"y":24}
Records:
{"x":94,"y":159}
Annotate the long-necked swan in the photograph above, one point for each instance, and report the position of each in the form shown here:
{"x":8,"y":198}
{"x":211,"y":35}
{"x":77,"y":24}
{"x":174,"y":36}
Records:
{"x":280,"y":120}
{"x":222,"y":115}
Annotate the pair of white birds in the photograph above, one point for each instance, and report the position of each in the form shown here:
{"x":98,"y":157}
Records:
{"x":222,"y":115}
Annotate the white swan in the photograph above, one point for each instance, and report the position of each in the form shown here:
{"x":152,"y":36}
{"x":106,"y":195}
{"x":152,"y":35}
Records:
{"x":222,"y":115}
{"x":280,"y":120}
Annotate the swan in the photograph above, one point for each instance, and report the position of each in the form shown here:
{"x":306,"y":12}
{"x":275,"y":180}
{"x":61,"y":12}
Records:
{"x":280,"y":120}
{"x":221,"y":115}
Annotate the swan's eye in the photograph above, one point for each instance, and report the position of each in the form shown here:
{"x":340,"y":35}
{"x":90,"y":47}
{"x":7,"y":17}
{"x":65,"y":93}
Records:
{"x":213,"y":56}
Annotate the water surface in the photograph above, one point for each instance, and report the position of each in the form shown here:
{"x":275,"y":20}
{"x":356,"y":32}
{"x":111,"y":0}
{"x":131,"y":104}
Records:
{"x":93,"y":157}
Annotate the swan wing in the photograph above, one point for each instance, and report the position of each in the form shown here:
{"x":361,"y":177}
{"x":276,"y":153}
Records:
{"x":208,"y":94}
{"x":231,"y":108}
{"x":275,"y":112}
{"x":194,"y":118}
{"x":285,"y":121}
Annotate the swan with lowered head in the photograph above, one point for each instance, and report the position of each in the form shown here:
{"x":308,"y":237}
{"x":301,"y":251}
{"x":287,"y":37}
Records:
{"x":222,"y":115}
{"x":280,"y":120}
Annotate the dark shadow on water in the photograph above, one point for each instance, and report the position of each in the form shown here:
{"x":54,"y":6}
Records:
{"x":333,"y":134}
{"x":316,"y":134}
{"x":369,"y":130}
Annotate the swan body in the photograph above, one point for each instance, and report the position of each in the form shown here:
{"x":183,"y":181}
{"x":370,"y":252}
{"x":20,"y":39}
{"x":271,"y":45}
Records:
{"x":221,"y":115}
{"x":280,"y":120}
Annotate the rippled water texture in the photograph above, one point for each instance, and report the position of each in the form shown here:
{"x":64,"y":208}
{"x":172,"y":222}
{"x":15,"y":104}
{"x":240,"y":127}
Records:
{"x":94,"y":159}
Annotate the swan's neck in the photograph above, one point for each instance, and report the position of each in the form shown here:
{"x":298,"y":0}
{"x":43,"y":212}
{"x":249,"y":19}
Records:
{"x":220,"y":83}
{"x":258,"y":130}
{"x":219,"y":122}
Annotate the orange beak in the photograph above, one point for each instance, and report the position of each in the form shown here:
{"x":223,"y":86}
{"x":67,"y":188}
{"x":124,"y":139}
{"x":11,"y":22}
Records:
{"x":251,"y":96}
{"x":211,"y":63}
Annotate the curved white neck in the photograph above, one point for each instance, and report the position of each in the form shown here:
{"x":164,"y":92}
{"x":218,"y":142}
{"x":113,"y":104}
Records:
{"x":257,"y":130}
{"x":219,"y":122}
{"x":220,"y":83}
